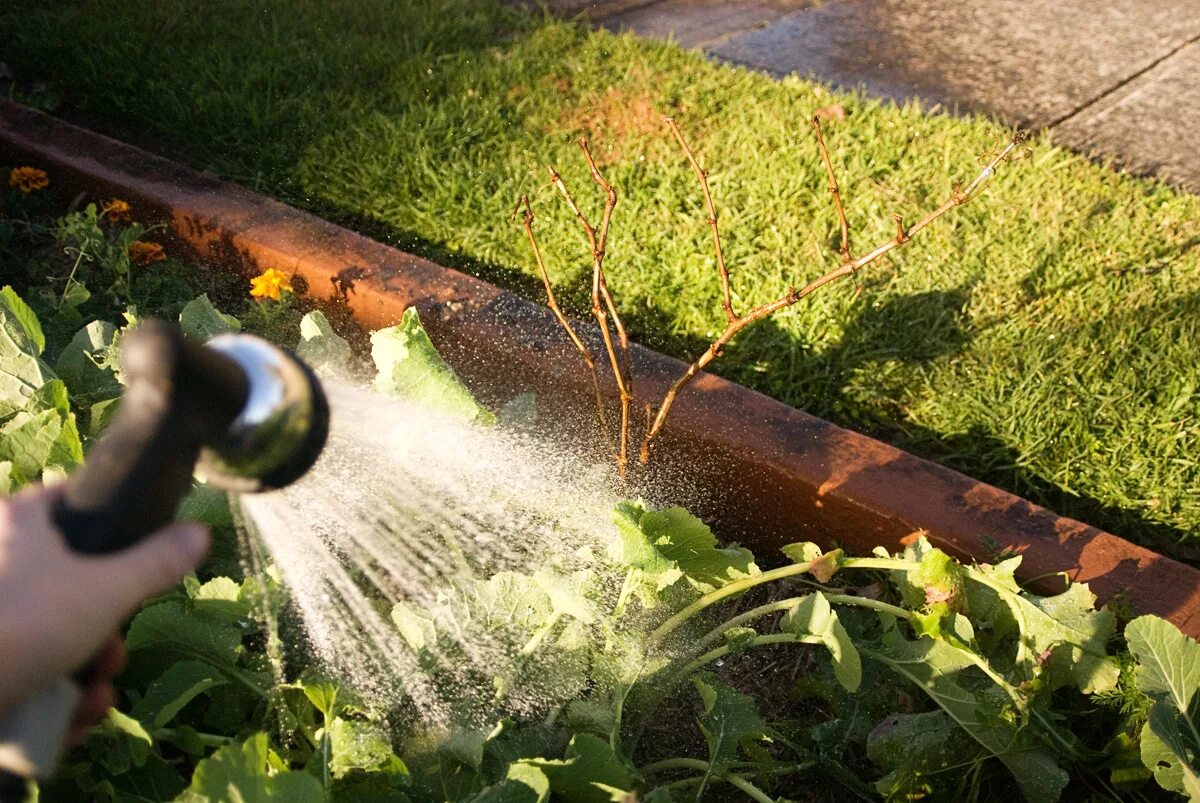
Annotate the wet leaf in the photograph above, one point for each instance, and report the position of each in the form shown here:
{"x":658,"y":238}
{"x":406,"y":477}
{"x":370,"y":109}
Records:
{"x":410,"y":367}
{"x":1169,"y":674}
{"x":814,"y":617}
{"x":239,"y":772}
{"x":200,"y":319}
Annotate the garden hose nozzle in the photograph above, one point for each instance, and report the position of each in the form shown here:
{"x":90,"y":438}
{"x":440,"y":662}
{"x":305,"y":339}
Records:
{"x":238,"y":413}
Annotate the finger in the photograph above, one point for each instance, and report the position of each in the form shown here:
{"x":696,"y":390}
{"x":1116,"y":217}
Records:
{"x":111,"y":660}
{"x":149,"y":567}
{"x":93,"y":707}
{"x":108,"y":662}
{"x":28,"y":511}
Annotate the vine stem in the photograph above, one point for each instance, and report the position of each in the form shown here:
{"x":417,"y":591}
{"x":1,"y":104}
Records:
{"x":758,"y":641}
{"x":736,"y":324}
{"x":731,"y":778}
{"x":715,"y":596}
{"x":738,"y":586}
{"x":791,"y":602}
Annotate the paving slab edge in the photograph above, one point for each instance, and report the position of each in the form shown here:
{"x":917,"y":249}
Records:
{"x":761,"y":470}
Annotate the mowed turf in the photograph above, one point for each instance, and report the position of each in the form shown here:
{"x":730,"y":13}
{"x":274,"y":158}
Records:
{"x":1043,"y":337}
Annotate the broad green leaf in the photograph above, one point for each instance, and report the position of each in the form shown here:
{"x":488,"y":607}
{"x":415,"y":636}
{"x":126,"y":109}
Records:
{"x":937,"y":668}
{"x":671,"y":544}
{"x":323,"y":696}
{"x":1169,"y":674}
{"x":938,"y":579}
{"x":1065,"y":634}
{"x":168,"y":626}
{"x":51,"y":396}
{"x":320,"y":346}
{"x":181,"y":683}
{"x":802,"y":551}
{"x":589,"y":716}
{"x":910,"y":747}
{"x":156,"y":779}
{"x":730,"y":721}
{"x":240,"y":774}
{"x":588,"y":773}
{"x":9,"y":482}
{"x":415,"y":627}
{"x":82,"y":364}
{"x":524,"y":783}
{"x":360,"y":745}
{"x":75,"y":294}
{"x":222,"y":599}
{"x":15,"y":306}
{"x":569,"y":592}
{"x":22,"y":371}
{"x":814,"y":616}
{"x":139,"y":739}
{"x":200,"y":319}
{"x":410,"y":367}
{"x":208,"y":505}
{"x":36,"y":441}
{"x":99,"y":415}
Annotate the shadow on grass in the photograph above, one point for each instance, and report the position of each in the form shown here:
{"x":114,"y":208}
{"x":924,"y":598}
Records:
{"x":916,"y":329}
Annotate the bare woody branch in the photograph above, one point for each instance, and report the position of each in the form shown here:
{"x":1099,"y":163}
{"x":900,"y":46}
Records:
{"x":959,"y":196}
{"x":602,"y":305}
{"x":610,"y":195}
{"x":552,"y":302}
{"x":702,"y":175}
{"x":834,"y":191}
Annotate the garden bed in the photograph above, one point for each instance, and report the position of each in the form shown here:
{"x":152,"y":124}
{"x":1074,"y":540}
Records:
{"x":762,"y":472}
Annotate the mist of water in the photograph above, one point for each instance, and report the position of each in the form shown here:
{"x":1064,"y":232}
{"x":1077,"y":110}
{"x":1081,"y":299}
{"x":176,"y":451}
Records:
{"x":406,"y":505}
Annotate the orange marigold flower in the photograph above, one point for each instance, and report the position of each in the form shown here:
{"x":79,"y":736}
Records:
{"x":271,"y":284}
{"x":28,"y":179}
{"x":118,"y":211}
{"x":143,"y":253}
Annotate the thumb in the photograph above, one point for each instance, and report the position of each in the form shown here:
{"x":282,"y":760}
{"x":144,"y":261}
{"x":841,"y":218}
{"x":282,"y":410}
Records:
{"x":153,"y":565}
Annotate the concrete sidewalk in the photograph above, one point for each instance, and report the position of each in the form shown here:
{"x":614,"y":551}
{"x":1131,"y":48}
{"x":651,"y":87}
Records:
{"x":1117,"y":78}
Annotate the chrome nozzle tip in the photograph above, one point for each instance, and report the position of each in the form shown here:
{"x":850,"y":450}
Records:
{"x":282,"y":428}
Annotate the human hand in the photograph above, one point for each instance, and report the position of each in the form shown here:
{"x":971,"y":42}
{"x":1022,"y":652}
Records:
{"x":57,"y":607}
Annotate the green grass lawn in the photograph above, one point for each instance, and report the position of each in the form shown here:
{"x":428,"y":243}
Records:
{"x":1043,"y":338}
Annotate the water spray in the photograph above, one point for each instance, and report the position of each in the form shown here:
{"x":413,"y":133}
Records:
{"x":238,"y":413}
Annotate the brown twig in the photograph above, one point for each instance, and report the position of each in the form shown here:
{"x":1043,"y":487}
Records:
{"x":552,"y":302}
{"x":601,"y":300}
{"x":610,"y":204}
{"x":848,"y":267}
{"x":702,"y":175}
{"x":833,"y":190}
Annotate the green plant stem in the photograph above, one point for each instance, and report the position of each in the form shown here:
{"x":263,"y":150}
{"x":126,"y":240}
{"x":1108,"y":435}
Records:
{"x":713,"y":597}
{"x":619,"y":695}
{"x":623,"y":597}
{"x":732,"y":778}
{"x":738,"y":586}
{"x":757,"y":641}
{"x":70,"y":279}
{"x":791,"y":602}
{"x":540,"y":636}
{"x":206,"y":739}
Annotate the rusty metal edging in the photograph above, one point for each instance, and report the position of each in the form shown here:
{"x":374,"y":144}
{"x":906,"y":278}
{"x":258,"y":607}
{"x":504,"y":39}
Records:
{"x":756,"y":468}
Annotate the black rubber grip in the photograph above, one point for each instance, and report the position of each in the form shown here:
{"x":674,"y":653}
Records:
{"x":178,"y":397}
